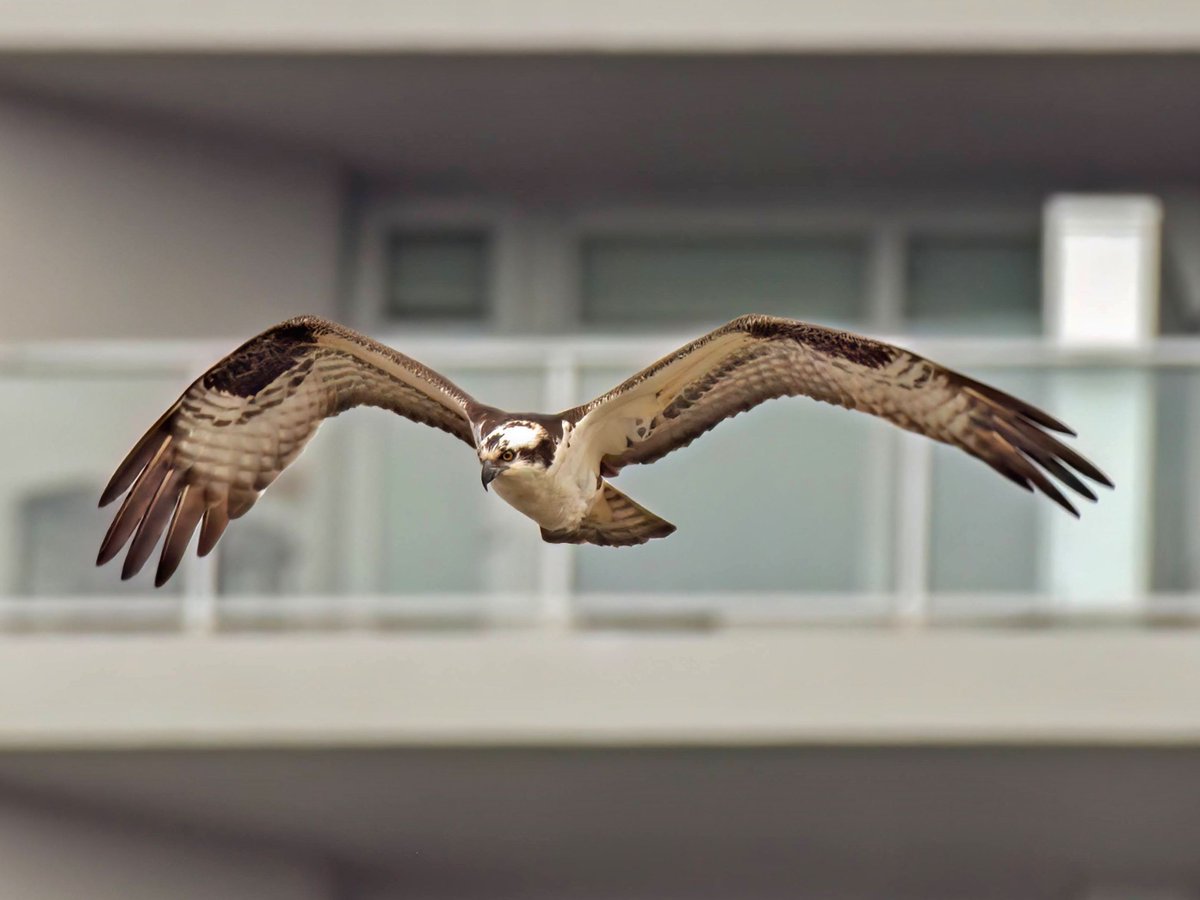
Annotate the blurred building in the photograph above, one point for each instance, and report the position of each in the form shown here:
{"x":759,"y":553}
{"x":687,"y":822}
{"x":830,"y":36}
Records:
{"x":864,"y":667}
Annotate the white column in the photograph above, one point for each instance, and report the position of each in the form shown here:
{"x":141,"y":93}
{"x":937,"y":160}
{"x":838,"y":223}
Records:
{"x":1101,"y":290}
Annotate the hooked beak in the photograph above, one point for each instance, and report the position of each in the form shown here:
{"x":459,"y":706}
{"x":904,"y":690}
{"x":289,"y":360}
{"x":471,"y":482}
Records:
{"x":489,"y":474}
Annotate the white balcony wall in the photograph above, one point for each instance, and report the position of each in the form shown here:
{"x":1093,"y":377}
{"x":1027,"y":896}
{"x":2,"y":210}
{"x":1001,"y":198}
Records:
{"x":710,"y":25}
{"x":113,"y":229}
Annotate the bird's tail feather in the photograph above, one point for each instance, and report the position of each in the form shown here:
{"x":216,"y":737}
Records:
{"x":613,"y":521}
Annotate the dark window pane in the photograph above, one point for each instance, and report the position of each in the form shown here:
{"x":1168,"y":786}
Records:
{"x":261,"y":560}
{"x":437,"y":276}
{"x":60,"y":530}
{"x":1179,"y":297}
{"x":775,"y":501}
{"x":50,"y":525}
{"x":985,"y":531}
{"x":1174,"y":544}
{"x":441,"y":532}
{"x":974,"y":285}
{"x":682,"y":279}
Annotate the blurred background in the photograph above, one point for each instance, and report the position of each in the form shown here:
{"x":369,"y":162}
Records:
{"x":864,"y":667}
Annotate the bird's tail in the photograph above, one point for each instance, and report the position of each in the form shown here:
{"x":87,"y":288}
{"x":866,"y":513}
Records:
{"x":613,"y":521}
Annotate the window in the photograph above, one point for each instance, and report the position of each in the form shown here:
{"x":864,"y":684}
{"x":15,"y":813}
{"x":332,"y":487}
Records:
{"x":437,"y":275}
{"x":441,"y":533}
{"x":973,"y":285}
{"x":261,"y":560}
{"x":886,"y":270}
{"x":1175,"y":551}
{"x":59,"y":530}
{"x":792,"y":484}
{"x":986,"y":533}
{"x":960,"y":284}
{"x":678,"y":279}
{"x":1179,"y":299}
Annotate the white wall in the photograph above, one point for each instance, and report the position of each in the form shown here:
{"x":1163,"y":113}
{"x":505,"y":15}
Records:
{"x":749,"y":686}
{"x":53,"y":854}
{"x":109,"y":229}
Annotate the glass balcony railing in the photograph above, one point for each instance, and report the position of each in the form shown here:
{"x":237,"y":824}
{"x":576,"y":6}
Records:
{"x":798,"y":513}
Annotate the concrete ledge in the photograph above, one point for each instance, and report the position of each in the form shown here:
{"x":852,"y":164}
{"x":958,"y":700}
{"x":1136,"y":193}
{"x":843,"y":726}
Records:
{"x":533,"y":688}
{"x":619,"y":25}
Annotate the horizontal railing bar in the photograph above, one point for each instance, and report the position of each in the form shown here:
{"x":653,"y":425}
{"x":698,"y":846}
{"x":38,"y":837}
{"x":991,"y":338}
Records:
{"x":473,"y":351}
{"x":943,"y":606}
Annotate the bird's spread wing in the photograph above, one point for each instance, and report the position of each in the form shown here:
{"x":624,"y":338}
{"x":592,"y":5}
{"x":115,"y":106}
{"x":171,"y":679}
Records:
{"x":245,"y":419}
{"x":756,"y":358}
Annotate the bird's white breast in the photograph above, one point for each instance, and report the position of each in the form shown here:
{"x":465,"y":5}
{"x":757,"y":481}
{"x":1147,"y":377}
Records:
{"x":554,"y":502}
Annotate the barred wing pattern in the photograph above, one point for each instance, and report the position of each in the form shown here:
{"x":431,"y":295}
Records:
{"x":246,"y":419}
{"x":757,"y":358}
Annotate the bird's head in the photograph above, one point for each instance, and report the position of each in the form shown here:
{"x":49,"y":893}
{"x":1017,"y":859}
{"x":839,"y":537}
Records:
{"x":515,"y":447}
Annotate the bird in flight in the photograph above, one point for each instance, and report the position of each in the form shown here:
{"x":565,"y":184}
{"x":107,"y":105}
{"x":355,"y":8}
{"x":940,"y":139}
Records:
{"x":231,"y":433}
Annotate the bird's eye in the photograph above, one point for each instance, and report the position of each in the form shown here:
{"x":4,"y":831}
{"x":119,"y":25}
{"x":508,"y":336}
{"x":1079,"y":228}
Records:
{"x":508,"y":456}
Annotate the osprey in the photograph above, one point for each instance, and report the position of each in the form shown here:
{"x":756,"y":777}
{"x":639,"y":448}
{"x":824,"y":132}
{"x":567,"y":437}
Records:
{"x":230,"y":434}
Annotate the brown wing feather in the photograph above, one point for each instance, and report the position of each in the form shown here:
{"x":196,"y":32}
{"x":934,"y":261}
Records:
{"x":756,"y":358}
{"x":206,"y":460}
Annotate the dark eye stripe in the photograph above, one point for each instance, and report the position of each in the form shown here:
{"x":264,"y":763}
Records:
{"x":544,"y":452}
